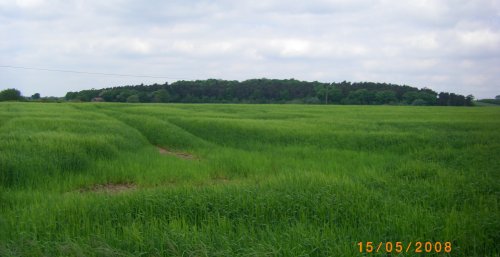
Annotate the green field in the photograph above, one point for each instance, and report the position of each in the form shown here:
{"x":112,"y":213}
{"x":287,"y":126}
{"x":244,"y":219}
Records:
{"x":246,"y":180}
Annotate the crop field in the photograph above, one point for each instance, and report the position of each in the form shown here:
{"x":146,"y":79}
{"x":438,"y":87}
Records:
{"x":101,"y":179}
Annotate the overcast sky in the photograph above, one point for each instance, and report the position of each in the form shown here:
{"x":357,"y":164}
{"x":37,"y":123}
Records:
{"x":449,"y":46}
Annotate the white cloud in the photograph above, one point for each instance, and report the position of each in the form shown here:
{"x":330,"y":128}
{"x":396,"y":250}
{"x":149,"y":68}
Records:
{"x":29,"y":3}
{"x":291,"y":47}
{"x":483,"y":38}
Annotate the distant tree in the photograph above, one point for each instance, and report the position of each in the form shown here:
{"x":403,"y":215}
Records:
{"x":361,"y":96}
{"x":108,"y":95}
{"x":10,"y":94}
{"x":312,"y":100}
{"x":443,"y":99}
{"x":144,"y":97}
{"x":335,"y":95}
{"x":321,"y":91}
{"x":87,"y":95}
{"x":284,"y":95}
{"x":123,"y":96}
{"x":71,"y":96}
{"x":497,"y":97}
{"x":328,"y":93}
{"x":419,"y":102}
{"x":133,"y":99}
{"x":457,"y":100}
{"x":385,"y":97}
{"x":490,"y":101}
{"x":428,"y":96}
{"x":410,"y":96}
{"x":161,"y":96}
{"x":35,"y":96}
{"x":469,"y":100}
{"x":52,"y":99}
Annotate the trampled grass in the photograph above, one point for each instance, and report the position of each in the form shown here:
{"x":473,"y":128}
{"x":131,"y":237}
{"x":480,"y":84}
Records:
{"x":264,"y":180}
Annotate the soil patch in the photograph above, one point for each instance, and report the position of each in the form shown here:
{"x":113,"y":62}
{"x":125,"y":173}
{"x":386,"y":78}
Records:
{"x":220,"y":179}
{"x":181,"y":155}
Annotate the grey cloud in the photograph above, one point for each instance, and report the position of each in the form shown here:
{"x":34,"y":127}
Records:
{"x":446,"y":45}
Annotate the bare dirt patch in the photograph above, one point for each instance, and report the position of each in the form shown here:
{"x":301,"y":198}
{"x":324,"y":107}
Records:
{"x":109,"y":188}
{"x":221,"y":179}
{"x":181,"y":155}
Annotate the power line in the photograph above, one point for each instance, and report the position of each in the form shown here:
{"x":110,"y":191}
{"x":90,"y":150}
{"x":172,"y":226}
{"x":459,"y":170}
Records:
{"x":86,"y":72}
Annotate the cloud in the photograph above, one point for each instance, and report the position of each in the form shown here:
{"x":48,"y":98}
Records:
{"x":446,"y":45}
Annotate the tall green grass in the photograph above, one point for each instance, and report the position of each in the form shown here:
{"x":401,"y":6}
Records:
{"x":265,"y":180}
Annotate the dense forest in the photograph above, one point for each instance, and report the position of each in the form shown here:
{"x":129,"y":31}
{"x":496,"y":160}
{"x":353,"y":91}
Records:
{"x":272,"y":91}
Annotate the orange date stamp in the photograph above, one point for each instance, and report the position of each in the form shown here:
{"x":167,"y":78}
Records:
{"x":401,"y":247}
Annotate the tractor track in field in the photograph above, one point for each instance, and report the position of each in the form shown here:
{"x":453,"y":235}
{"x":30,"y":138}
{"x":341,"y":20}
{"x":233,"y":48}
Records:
{"x":110,"y":188}
{"x":161,"y":149}
{"x":182,"y":155}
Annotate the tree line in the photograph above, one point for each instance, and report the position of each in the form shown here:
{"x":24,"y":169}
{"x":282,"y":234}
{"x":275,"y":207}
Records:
{"x":12,"y":94}
{"x":495,"y":100}
{"x":272,"y":91}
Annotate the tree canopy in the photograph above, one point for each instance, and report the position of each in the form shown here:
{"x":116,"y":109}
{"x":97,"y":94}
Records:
{"x":273,"y":91}
{"x":10,"y":94}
